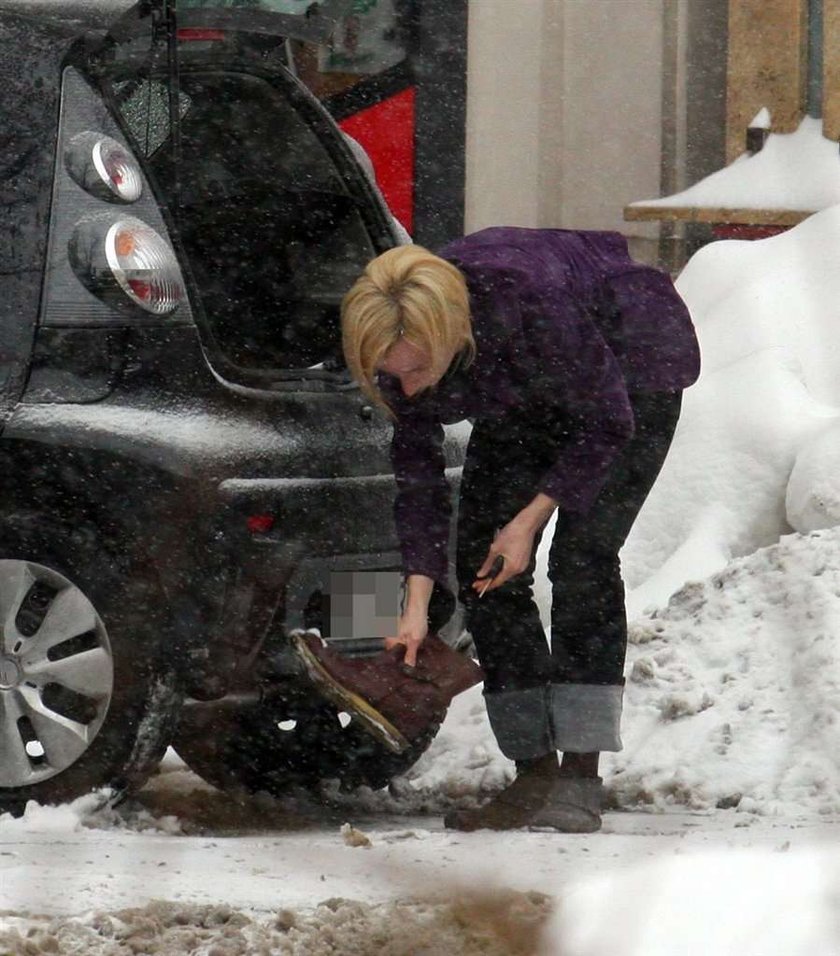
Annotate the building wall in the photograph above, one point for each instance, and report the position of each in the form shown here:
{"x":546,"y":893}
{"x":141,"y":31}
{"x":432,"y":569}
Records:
{"x":504,"y":96}
{"x":577,"y":107}
{"x":612,"y":111}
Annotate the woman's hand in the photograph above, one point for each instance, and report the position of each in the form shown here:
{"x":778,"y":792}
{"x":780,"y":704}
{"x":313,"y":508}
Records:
{"x":515,"y":543}
{"x":413,"y":625}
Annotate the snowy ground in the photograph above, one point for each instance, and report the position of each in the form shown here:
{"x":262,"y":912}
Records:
{"x":723,"y":836}
{"x":251,"y":875}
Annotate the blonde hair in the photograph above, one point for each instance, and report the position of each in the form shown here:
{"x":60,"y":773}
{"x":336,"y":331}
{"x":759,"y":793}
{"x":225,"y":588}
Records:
{"x":405,"y":293}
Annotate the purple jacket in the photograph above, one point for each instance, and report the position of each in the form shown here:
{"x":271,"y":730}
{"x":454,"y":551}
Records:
{"x":555,"y":313}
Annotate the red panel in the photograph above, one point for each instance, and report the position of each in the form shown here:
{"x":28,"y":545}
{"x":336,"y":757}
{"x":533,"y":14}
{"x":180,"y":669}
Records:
{"x":188,"y":34}
{"x":386,"y":131}
{"x":746,"y":231}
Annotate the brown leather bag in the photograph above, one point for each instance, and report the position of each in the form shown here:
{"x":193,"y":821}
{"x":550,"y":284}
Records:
{"x":394,"y":702}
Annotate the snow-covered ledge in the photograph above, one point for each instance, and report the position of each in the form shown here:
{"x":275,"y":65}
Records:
{"x":794,"y":175}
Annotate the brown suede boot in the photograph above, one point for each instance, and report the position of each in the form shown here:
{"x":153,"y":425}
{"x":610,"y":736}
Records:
{"x":394,"y":702}
{"x":514,"y":807}
{"x":572,"y":805}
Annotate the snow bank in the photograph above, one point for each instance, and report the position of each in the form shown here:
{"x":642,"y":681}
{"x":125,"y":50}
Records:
{"x":812,"y":500}
{"x":769,"y":391}
{"x":733,"y":693}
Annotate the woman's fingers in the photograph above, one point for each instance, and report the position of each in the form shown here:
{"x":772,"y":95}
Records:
{"x":412,"y":646}
{"x":411,"y":640}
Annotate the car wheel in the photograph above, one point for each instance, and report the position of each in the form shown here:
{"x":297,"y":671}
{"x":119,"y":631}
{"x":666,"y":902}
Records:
{"x":242,"y":742}
{"x":86,"y":699}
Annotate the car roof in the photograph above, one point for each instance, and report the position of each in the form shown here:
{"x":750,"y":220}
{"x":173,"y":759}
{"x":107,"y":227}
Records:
{"x":64,"y":18}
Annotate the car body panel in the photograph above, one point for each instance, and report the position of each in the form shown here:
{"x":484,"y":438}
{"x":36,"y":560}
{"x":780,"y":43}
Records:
{"x":30,"y":58}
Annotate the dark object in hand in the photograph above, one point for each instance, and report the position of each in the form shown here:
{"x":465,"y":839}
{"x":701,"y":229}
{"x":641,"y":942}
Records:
{"x":495,"y":571}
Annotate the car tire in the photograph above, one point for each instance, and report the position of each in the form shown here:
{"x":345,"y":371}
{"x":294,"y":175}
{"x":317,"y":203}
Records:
{"x":275,"y":745}
{"x":87,"y":700}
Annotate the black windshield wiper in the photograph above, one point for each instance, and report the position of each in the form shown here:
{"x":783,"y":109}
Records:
{"x":165,"y":31}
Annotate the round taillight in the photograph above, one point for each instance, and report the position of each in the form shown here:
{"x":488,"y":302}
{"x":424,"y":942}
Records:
{"x":127,"y":264}
{"x":104,"y":167}
{"x":145,"y":266}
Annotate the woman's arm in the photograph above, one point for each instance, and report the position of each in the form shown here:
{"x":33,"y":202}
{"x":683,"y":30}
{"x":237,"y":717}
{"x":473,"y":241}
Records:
{"x":422,"y":512}
{"x":423,"y":504}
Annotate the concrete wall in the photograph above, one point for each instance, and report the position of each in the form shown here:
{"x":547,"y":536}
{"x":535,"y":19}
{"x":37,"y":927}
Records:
{"x":504,"y":99}
{"x":564,"y":112}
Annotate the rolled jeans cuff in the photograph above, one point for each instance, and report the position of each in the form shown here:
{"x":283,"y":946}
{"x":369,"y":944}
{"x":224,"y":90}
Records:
{"x":585,"y":718}
{"x":578,"y":718}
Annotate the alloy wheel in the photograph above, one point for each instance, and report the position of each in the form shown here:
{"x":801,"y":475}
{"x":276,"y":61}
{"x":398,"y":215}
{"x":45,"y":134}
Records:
{"x":56,"y":673}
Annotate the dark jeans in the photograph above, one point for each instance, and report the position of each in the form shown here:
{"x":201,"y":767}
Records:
{"x":578,"y":679}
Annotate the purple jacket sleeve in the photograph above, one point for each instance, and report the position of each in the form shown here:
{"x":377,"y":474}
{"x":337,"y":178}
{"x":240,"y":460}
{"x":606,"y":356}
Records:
{"x":573,"y":362}
{"x":423,"y":503}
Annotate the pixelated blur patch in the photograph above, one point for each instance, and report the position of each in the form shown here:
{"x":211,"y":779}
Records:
{"x":364,"y":603}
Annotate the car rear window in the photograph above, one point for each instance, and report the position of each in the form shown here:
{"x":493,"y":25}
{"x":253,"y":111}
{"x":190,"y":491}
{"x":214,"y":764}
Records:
{"x":273,"y":235}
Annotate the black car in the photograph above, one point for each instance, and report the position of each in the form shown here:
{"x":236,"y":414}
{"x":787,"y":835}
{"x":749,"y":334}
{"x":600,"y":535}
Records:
{"x":186,"y":466}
